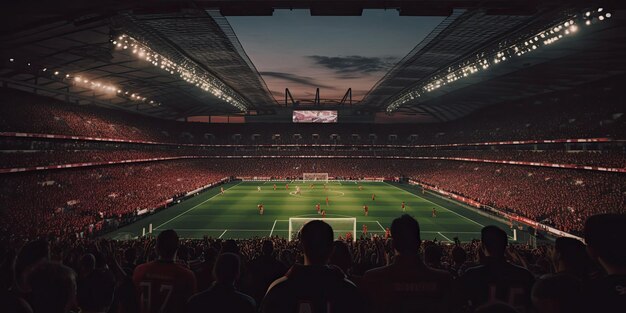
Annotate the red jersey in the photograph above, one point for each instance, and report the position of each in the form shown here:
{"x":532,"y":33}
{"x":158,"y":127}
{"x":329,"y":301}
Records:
{"x":373,"y":197}
{"x":327,"y":200}
{"x":365,"y":208}
{"x":387,"y":233}
{"x":274,"y":186}
{"x":163,"y":286}
{"x":364,"y":229}
{"x":287,"y":186}
{"x":323,"y":213}
{"x":403,"y":205}
{"x":317,"y":206}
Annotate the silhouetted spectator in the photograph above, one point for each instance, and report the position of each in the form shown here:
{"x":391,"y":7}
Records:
{"x":222,"y":297}
{"x":559,"y":293}
{"x":264,"y":270}
{"x":570,"y":257}
{"x":495,"y":280}
{"x":605,"y":235}
{"x":53,"y":288}
{"x":459,"y":259}
{"x":407,"y":285}
{"x":314,"y":286}
{"x":163,"y":285}
{"x":95,"y":291}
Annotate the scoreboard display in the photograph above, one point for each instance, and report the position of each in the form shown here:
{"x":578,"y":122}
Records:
{"x":314,"y":116}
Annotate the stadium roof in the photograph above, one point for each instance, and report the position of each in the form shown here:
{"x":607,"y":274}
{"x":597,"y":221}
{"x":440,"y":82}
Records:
{"x":69,"y":50}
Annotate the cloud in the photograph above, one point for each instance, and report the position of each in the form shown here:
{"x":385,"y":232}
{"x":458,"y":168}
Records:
{"x":303,"y":80}
{"x":354,"y":63}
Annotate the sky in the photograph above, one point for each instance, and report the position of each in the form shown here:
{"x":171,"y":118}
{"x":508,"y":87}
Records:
{"x":294,"y":50}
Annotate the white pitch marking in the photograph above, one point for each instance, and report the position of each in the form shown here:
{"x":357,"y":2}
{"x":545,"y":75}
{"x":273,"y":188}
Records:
{"x":193,"y":207}
{"x":442,"y":235}
{"x":381,"y":226}
{"x":467,"y":218}
{"x":272,"y":231}
{"x":225,"y":230}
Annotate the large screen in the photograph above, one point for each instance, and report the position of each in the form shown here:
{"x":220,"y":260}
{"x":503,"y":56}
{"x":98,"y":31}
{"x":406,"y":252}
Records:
{"x":315,"y":116}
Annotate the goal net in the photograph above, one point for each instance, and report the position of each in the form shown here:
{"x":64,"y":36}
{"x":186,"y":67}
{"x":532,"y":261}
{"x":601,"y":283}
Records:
{"x":341,"y":226}
{"x":308,"y":177}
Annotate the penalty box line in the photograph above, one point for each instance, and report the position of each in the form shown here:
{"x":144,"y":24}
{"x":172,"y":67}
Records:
{"x":193,"y":207}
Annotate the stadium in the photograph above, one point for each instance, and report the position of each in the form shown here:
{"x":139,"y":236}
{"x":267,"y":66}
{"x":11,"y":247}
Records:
{"x":313,"y":156}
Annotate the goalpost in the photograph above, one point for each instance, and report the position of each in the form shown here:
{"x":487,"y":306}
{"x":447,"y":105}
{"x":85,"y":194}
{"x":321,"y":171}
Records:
{"x":315,"y":177}
{"x":341,"y":226}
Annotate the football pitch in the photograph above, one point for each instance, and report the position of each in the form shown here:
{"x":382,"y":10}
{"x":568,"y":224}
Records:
{"x":234,"y":214}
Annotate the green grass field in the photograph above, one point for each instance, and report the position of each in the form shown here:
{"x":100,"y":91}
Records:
{"x":235,"y":215}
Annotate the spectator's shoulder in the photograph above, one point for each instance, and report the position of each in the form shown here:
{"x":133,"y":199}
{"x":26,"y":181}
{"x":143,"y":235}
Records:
{"x":377,"y":273}
{"x":246,"y":298}
{"x":441,"y":274}
{"x":278,"y":284}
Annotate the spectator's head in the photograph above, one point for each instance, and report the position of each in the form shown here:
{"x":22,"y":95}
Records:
{"x":459,"y":255}
{"x":433,"y":255}
{"x":182,"y":253}
{"x":226,"y":269}
{"x":340,"y":256}
{"x":87,"y":264}
{"x":570,"y":255}
{"x":30,"y":255}
{"x":286,"y":256}
{"x":167,"y":244}
{"x":605,"y":235}
{"x":494,"y":241}
{"x":53,"y":288}
{"x":405,"y":234}
{"x":268,"y":247}
{"x":130,"y":255}
{"x":230,"y":246}
{"x":316,"y":238}
{"x":556,"y":294}
{"x":95,"y":292}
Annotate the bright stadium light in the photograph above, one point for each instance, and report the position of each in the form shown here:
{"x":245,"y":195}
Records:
{"x":189,"y":72}
{"x":485,"y":59}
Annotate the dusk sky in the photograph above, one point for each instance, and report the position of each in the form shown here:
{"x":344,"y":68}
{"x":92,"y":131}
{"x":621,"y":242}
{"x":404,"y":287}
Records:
{"x":294,"y":50}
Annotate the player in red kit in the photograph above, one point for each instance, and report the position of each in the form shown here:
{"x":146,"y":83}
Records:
{"x":387,"y":233}
{"x":163,"y":285}
{"x":323,"y":213}
{"x":364,"y":228}
{"x":274,"y":186}
{"x":373,"y":197}
{"x":317,"y":207}
{"x":403,"y":207}
{"x":327,"y":201}
{"x":365,"y":209}
{"x":287,"y":186}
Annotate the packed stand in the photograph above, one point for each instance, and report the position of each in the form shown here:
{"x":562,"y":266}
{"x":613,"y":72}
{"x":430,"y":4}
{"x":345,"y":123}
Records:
{"x":75,"y":201}
{"x":560,"y":115}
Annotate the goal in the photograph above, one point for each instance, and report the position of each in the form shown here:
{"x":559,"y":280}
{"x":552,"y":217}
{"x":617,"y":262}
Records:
{"x":341,"y":226}
{"x":306,"y":177}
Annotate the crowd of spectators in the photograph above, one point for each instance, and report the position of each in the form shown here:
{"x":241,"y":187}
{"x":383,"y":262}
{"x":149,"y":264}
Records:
{"x":400,"y":273}
{"x":554,"y":116}
{"x":557,"y":197}
{"x":75,"y":201}
{"x":34,"y":158}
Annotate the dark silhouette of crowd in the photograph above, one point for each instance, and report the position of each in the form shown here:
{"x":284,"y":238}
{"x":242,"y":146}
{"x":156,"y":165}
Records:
{"x":315,"y":273}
